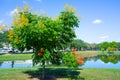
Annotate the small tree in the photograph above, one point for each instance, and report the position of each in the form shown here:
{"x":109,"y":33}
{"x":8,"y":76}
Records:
{"x":112,"y":47}
{"x":4,"y":38}
{"x":46,"y":35}
{"x":104,"y":46}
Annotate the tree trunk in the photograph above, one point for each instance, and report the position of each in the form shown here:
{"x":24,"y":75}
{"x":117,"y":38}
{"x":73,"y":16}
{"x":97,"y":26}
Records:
{"x":43,"y":71}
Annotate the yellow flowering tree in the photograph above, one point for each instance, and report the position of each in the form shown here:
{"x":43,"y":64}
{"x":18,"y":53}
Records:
{"x":46,"y":35}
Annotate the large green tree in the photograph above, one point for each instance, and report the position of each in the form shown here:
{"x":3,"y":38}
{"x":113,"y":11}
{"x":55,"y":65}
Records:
{"x":44,"y":34}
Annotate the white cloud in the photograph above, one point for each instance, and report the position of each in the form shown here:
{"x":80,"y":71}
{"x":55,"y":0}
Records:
{"x":104,"y":38}
{"x":97,"y":21}
{"x":14,"y":11}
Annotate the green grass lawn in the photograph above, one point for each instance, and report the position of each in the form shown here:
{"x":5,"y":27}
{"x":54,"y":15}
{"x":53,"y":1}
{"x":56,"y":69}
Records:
{"x":60,"y":73}
{"x":100,"y":74}
{"x":10,"y":57}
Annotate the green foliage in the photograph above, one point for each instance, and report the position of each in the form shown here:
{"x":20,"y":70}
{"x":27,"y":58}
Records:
{"x":70,"y":60}
{"x":113,"y":44}
{"x":56,"y":58}
{"x":118,"y":45}
{"x":1,"y":45}
{"x":4,"y":37}
{"x":110,"y":58}
{"x":38,"y":59}
{"x":104,"y":45}
{"x":68,"y":22}
{"x":111,"y":49}
{"x":78,"y":44}
{"x":102,"y":49}
{"x":110,"y":46}
{"x":36,"y":31}
{"x":69,"y":18}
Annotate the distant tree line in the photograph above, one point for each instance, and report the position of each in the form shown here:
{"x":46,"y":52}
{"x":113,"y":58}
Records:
{"x":103,"y":46}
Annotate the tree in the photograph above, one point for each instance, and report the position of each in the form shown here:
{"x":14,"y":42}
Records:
{"x":44,"y":34}
{"x":104,"y":46}
{"x":4,"y":38}
{"x":79,"y":44}
{"x":1,"y":41}
{"x":112,"y":46}
{"x":1,"y":45}
{"x":109,"y":46}
{"x":92,"y":46}
{"x":118,"y":44}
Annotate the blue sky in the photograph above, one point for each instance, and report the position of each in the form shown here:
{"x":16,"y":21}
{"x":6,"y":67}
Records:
{"x":99,"y":18}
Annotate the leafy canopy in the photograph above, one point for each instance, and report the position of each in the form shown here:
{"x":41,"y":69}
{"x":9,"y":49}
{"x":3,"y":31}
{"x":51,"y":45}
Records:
{"x":30,"y":30}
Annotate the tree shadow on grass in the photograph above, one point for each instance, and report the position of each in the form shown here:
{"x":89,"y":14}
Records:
{"x":56,"y":73}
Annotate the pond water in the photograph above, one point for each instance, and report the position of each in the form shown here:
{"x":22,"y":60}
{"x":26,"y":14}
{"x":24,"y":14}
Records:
{"x":16,"y":64}
{"x":100,"y":61}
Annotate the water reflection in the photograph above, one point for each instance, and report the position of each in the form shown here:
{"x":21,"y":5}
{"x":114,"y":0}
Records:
{"x":105,"y":58}
{"x":110,"y":58}
{"x":102,"y":61}
{"x":12,"y":64}
{"x":16,"y":64}
{"x":1,"y":63}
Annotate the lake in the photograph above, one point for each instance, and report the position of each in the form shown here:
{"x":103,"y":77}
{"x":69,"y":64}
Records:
{"x":100,"y":61}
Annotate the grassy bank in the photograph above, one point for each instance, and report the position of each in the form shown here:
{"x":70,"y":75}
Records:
{"x":10,"y":57}
{"x":106,"y":52}
{"x":60,"y":74}
{"x":94,"y":53}
{"x":87,"y":53}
